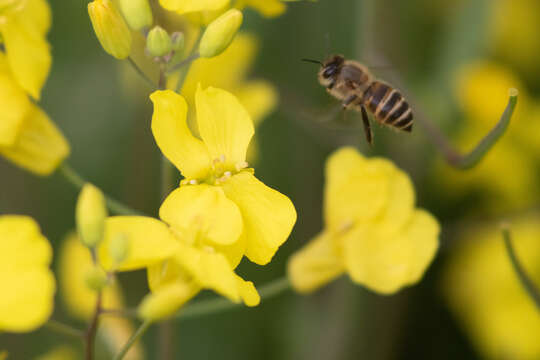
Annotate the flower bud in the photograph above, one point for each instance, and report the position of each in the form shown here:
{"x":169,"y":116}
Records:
{"x":96,"y":279}
{"x":220,"y":33}
{"x":110,"y":27}
{"x":178,"y":41}
{"x":137,"y":13}
{"x":90,"y":215}
{"x":158,"y":42}
{"x":119,"y":248}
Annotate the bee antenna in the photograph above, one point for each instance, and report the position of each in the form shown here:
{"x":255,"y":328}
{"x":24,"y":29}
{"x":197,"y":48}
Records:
{"x":313,"y":61}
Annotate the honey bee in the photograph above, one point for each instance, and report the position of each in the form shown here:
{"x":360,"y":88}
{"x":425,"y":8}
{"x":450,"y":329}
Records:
{"x":352,"y":84}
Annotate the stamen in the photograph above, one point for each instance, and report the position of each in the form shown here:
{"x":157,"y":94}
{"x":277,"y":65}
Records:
{"x":193,"y":182}
{"x":241,"y":165}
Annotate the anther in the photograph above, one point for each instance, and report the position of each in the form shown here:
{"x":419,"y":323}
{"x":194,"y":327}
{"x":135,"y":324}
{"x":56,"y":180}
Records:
{"x":193,"y":182}
{"x":241,"y":165}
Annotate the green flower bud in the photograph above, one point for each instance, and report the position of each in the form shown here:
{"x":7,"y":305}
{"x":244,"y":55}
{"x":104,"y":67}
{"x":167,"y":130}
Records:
{"x":96,"y":279}
{"x":178,"y":41}
{"x":137,"y":13}
{"x":158,"y":42}
{"x":119,"y":248}
{"x":90,"y":215}
{"x":220,"y":33}
{"x":110,"y":27}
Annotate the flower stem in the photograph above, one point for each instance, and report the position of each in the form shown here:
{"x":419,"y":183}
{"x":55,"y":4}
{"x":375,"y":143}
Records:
{"x":212,"y":306}
{"x":90,"y":336}
{"x":64,"y":329}
{"x":141,"y":73}
{"x":78,"y":181}
{"x":136,"y":336}
{"x":525,"y":280}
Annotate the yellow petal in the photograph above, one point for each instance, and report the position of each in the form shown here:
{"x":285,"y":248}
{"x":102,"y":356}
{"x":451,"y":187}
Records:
{"x":174,"y":138}
{"x":224,"y":125}
{"x":385,"y":263}
{"x":315,"y":265}
{"x":203,"y":209}
{"x":14,"y":104}
{"x":210,"y":270}
{"x":268,"y":215}
{"x":74,"y":263}
{"x":27,"y":52}
{"x":28,"y":285}
{"x":165,"y":273}
{"x":268,"y":8}
{"x":166,"y":301}
{"x":40,"y":146}
{"x":36,"y":14}
{"x":185,"y":6}
{"x":150,"y":241}
{"x":248,"y":293}
{"x":259,"y":98}
{"x":356,"y":188}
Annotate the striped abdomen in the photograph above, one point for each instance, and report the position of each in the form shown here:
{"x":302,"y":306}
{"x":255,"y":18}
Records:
{"x":388,"y":106}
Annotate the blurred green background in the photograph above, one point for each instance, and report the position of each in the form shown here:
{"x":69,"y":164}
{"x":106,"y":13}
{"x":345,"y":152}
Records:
{"x":426,"y":41}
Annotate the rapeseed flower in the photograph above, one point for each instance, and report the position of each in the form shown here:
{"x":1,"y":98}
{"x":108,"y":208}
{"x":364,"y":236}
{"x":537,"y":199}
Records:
{"x":220,"y":212}
{"x":372,"y":229}
{"x":28,"y":285}
{"x":23,"y":28}
{"x":486,"y":295}
{"x":110,"y":27}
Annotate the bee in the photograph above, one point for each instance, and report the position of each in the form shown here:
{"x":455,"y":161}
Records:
{"x":357,"y":89}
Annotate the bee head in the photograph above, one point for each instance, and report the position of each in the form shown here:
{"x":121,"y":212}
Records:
{"x":330,"y":69}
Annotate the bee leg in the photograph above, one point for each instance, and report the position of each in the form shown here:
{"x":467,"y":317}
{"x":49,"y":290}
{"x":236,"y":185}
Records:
{"x":349,"y":100}
{"x":367,"y":126}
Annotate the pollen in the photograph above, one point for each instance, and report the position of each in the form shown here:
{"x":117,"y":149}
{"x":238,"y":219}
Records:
{"x":241,"y":165}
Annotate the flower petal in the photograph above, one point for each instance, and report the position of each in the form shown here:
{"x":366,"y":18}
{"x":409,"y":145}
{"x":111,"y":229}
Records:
{"x":14,"y":104}
{"x":150,"y":241}
{"x":386,"y":263}
{"x":356,"y":188}
{"x":224,"y":125}
{"x":315,"y":264}
{"x":166,"y":301}
{"x":40,"y":146}
{"x":268,"y":215}
{"x":210,"y":270}
{"x":174,"y":138}
{"x":268,"y":8}
{"x":28,"y":285}
{"x":205,"y":211}
{"x":37,"y":15}
{"x":248,"y":293}
{"x":185,"y":6}
{"x":27,"y":51}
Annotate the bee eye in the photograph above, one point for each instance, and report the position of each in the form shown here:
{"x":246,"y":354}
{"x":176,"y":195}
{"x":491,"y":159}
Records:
{"x":331,"y":70}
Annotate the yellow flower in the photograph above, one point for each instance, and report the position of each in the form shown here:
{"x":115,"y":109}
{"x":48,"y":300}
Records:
{"x":221,"y":212}
{"x":372,"y":229}
{"x":268,"y":8}
{"x":219,"y":160}
{"x":74,"y":264}
{"x":27,"y":136}
{"x":23,"y":28}
{"x":28,"y":285}
{"x":485,"y":294}
{"x":259,"y":97}
{"x":482,"y":92}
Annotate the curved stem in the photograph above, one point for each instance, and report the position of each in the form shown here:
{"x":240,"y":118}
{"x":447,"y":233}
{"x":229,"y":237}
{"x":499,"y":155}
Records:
{"x":78,"y":181}
{"x":64,"y":329}
{"x":525,"y":280}
{"x":141,"y":73}
{"x":136,"y":336}
{"x":467,"y":161}
{"x":212,"y":306}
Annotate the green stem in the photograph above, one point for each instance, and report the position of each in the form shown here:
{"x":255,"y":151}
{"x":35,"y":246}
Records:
{"x":78,"y":181}
{"x":525,"y":280}
{"x":136,"y":336}
{"x":64,"y":329}
{"x":212,"y":306}
{"x":141,"y":73}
